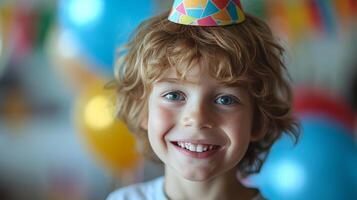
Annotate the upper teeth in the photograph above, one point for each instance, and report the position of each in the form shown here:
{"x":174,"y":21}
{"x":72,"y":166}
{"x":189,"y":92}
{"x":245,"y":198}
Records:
{"x":195,"y":147}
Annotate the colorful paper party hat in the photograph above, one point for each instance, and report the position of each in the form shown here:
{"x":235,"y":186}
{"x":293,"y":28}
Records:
{"x":207,"y":12}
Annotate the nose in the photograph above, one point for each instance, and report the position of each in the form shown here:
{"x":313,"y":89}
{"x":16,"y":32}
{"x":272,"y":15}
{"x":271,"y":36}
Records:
{"x":197,"y":116}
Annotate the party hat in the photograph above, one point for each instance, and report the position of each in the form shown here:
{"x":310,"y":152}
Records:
{"x":207,"y":12}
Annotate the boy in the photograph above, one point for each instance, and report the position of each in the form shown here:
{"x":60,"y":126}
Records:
{"x":209,"y":95}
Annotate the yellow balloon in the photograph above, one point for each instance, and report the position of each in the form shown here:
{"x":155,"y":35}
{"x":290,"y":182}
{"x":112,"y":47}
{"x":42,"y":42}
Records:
{"x":108,"y":138}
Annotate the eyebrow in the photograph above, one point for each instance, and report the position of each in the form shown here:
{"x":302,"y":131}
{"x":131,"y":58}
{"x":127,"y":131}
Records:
{"x":180,"y":81}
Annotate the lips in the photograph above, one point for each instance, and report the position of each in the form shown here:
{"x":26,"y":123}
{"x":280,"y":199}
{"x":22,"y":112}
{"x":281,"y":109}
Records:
{"x":196,"y":147}
{"x":199,"y":150}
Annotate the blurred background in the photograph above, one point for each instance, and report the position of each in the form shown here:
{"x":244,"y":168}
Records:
{"x":58,"y":136}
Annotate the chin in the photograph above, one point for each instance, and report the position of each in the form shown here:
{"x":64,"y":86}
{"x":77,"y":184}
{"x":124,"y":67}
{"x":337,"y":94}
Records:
{"x":197,"y":176}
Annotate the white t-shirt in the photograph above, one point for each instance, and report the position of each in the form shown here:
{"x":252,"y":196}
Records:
{"x":152,"y":190}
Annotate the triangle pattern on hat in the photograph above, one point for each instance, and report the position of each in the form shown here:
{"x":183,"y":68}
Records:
{"x":174,"y":15}
{"x":210,"y":9}
{"x":197,"y":13}
{"x":221,"y":4}
{"x":222,"y":16}
{"x":207,"y":12}
{"x":240,"y":13}
{"x":206,"y":20}
{"x":232,"y":11}
{"x":177,"y":3}
{"x":187,"y":19}
{"x":195,"y":3}
{"x":181,"y":9}
{"x":237,"y":2}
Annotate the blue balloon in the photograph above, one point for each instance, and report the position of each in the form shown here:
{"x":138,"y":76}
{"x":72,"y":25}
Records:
{"x":100,"y":26}
{"x":323,"y":165}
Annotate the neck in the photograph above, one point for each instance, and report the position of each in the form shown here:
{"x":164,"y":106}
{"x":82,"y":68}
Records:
{"x":225,"y":186}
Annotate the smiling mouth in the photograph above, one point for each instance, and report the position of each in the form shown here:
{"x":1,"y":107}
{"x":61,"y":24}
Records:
{"x":198,"y":148}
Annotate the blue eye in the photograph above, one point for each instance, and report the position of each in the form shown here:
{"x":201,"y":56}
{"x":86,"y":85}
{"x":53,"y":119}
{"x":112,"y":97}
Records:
{"x":226,"y":100}
{"x":174,"y":96}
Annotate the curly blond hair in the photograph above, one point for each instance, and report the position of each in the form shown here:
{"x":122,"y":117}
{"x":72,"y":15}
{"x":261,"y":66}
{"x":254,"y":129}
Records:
{"x":246,"y":54}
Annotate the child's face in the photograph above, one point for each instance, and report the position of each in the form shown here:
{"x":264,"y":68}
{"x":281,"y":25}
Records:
{"x":212,"y":121}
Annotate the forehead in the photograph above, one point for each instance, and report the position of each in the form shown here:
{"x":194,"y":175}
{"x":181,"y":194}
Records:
{"x":185,"y":62}
{"x":190,"y":74}
{"x":195,"y":75}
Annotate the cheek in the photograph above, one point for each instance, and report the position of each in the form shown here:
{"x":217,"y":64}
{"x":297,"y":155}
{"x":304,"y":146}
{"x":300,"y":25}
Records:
{"x":239,"y":129}
{"x":240,"y":121}
{"x":160,"y":119}
{"x":160,"y":122}
{"x":239,"y":136}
